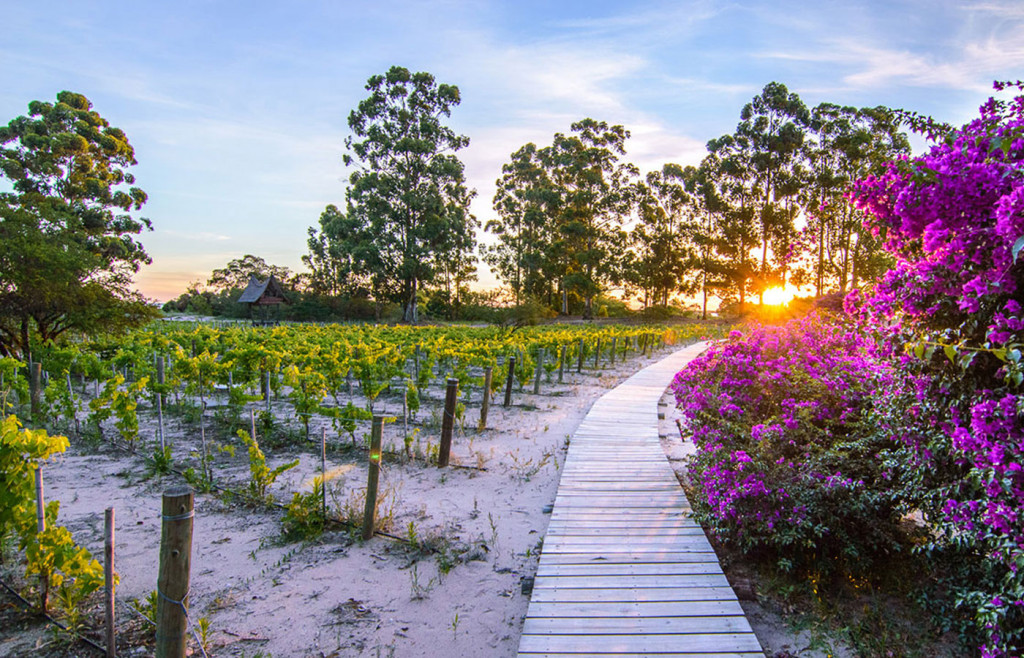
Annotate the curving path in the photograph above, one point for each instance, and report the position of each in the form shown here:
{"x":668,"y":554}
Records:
{"x":624,"y":571}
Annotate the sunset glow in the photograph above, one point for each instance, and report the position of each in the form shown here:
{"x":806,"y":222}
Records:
{"x":779,"y":296}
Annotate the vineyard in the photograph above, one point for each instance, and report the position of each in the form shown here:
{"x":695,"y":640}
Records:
{"x":278,"y":430}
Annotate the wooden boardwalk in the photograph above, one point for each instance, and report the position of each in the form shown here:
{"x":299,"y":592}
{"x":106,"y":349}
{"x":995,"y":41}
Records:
{"x":624,"y":571}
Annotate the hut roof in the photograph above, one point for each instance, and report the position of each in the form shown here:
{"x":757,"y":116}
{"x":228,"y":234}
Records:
{"x":268,"y":291}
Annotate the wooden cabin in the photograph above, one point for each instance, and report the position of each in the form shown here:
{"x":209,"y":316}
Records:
{"x":264,"y":299}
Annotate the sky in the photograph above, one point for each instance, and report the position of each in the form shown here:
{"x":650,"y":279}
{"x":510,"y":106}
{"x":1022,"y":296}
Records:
{"x":238,"y":111}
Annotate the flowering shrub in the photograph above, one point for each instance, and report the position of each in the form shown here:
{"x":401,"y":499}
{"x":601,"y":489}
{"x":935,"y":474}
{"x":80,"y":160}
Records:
{"x":786,"y":468}
{"x":951,"y":317}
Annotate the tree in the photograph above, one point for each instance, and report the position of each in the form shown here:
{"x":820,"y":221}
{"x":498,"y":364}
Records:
{"x":727,"y":196}
{"x":595,"y":191}
{"x":525,"y":202}
{"x":236,"y":273}
{"x":772,"y":127}
{"x":851,"y":144}
{"x":66,"y":225}
{"x":662,"y":253}
{"x":407,"y":196}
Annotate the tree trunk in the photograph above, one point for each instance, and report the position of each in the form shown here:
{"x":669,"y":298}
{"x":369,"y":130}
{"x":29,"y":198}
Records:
{"x":411,"y":310}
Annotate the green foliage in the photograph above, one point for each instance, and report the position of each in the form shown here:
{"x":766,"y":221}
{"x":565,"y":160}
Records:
{"x":160,"y":461}
{"x":304,"y":517}
{"x":408,"y":220}
{"x":68,"y":235}
{"x":261,"y":477}
{"x":51,"y":553}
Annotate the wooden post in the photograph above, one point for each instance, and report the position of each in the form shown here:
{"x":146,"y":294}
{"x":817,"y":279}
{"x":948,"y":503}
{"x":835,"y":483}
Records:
{"x":508,"y":380}
{"x":160,"y":402}
{"x":447,"y":422}
{"x":561,"y":366}
{"x":323,"y":470}
{"x":173,"y":581}
{"x":373,"y":473}
{"x":485,"y":404}
{"x":597,"y":354}
{"x":71,"y":394}
{"x":643,"y":350}
{"x":35,"y":378}
{"x":614,"y":340}
{"x":266,"y":389}
{"x":537,"y":370}
{"x":44,"y":579}
{"x":579,"y":358}
{"x":108,"y":579}
{"x":405,"y":411}
{"x":252,"y":422}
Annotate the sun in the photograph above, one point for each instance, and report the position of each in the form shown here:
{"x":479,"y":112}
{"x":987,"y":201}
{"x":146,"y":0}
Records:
{"x":778,"y":296}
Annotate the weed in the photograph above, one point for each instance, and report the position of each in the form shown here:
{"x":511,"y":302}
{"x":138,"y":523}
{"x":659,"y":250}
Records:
{"x":160,"y":461}
{"x":455,"y":626}
{"x":205,"y":633}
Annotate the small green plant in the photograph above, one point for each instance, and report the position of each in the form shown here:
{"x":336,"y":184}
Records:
{"x":147,"y":607}
{"x":455,"y":626}
{"x":261,"y":477}
{"x":304,"y":517}
{"x":205,"y":633}
{"x":200,"y":480}
{"x":160,"y":461}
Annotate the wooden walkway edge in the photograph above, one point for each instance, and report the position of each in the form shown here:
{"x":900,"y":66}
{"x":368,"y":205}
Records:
{"x":624,"y":571}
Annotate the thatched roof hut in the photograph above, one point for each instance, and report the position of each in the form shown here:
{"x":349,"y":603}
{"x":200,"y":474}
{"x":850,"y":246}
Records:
{"x":261,"y":296}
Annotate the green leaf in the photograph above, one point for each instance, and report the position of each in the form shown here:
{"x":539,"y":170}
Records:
{"x":950,"y":352}
{"x":1017,"y":246}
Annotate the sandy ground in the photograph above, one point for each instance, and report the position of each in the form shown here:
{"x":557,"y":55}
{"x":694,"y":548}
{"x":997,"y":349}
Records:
{"x":335,"y":596}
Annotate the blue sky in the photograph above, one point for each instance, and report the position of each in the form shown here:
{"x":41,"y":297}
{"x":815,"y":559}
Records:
{"x":238,"y":110}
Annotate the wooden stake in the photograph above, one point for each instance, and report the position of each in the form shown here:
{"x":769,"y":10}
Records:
{"x":579,"y":358}
{"x":597,"y":354}
{"x":485,"y":404}
{"x":173,"y":581}
{"x":508,"y":380}
{"x":561,"y":366}
{"x":537,"y":370}
{"x":35,"y":377}
{"x":323,"y":470}
{"x":44,"y":578}
{"x":373,"y":473}
{"x":614,"y":340}
{"x":266,"y":389}
{"x":108,"y":580}
{"x":252,"y":422}
{"x":447,"y":422}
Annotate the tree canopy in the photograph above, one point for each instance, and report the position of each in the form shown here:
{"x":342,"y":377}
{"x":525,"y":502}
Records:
{"x":408,"y":204}
{"x":69,"y":235}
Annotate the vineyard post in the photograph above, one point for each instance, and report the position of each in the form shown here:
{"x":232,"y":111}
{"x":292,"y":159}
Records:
{"x":643,"y":351}
{"x":416,"y":362}
{"x":173,"y":580}
{"x":44,"y":578}
{"x":35,"y":377}
{"x":597,"y":353}
{"x":485,"y":404}
{"x":108,"y":579}
{"x":252,"y":422}
{"x":266,"y":389}
{"x":323,"y":470}
{"x":614,"y":340}
{"x":373,"y":473}
{"x":561,"y":366}
{"x":447,"y":422}
{"x":405,"y":411}
{"x":537,"y":370}
{"x":579,"y":358}
{"x":508,"y":380}
{"x":160,"y":402}
{"x":71,"y":394}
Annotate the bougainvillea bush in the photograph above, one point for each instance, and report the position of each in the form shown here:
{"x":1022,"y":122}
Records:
{"x":786,"y":468}
{"x":951,"y":318}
